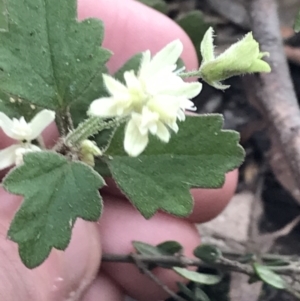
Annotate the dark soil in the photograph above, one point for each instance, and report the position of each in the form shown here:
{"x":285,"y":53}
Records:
{"x":279,"y":206}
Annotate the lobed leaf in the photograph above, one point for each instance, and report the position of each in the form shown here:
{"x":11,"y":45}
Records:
{"x":160,"y":179}
{"x":47,"y":57}
{"x":56,"y":192}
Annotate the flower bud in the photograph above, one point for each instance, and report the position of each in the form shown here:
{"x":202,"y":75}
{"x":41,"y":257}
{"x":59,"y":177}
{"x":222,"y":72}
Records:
{"x":240,"y":58}
{"x":89,"y":149}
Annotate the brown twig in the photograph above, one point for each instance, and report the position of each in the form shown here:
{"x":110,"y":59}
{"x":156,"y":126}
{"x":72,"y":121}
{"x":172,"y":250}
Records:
{"x":275,"y":91}
{"x":224,"y":264}
{"x":143,"y":268}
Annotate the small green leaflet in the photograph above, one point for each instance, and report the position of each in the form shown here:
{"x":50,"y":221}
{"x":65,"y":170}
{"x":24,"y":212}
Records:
{"x":297,"y":23}
{"x":269,"y":277}
{"x":47,"y":57}
{"x":208,"y":253}
{"x":202,"y":278}
{"x":56,"y":192}
{"x":160,"y":179}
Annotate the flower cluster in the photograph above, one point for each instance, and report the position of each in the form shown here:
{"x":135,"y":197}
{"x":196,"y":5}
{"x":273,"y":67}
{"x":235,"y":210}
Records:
{"x":24,"y":133}
{"x":153,"y":99}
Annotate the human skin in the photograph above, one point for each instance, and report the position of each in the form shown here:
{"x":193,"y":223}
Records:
{"x":76,"y":273}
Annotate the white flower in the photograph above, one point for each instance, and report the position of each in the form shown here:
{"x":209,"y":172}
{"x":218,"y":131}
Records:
{"x":154,"y":98}
{"x":24,"y":133}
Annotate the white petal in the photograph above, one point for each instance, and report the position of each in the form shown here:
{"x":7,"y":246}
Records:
{"x":104,"y":107}
{"x":174,"y":85}
{"x":145,"y":59}
{"x":134,"y":142}
{"x":7,"y":126}
{"x":8,"y":156}
{"x":22,"y":150}
{"x":153,"y":128}
{"x":113,"y":86}
{"x":131,"y":80}
{"x":189,"y":90}
{"x":167,"y":56}
{"x":40,"y":122}
{"x":180,"y":115}
{"x":174,"y":126}
{"x":186,"y":104}
{"x":162,"y":132}
{"x":165,"y":106}
{"x":164,"y":61}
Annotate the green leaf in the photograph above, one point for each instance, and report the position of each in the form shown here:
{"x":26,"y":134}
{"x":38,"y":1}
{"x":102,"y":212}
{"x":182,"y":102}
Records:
{"x":208,"y":253}
{"x":16,"y":108}
{"x":159,"y":5}
{"x":133,"y":63}
{"x":164,"y":249}
{"x":3,"y":16}
{"x":146,"y":249}
{"x":202,"y":278}
{"x":195,"y":26}
{"x":297,"y":23}
{"x":57,"y":192}
{"x":170,"y":247}
{"x":185,"y":290}
{"x":269,"y":277}
{"x":160,"y":179}
{"x":200,"y":295}
{"x":48,"y":58}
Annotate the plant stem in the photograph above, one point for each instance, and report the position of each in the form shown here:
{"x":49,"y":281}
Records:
{"x":195,"y":73}
{"x":91,"y":127}
{"x":143,"y":268}
{"x":182,"y":261}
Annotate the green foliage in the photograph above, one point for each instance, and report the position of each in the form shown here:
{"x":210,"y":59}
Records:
{"x":198,"y":156}
{"x":167,"y":248}
{"x":132,"y":64}
{"x":158,"y":5}
{"x":207,"y":253}
{"x":15,"y":108}
{"x":146,"y":249}
{"x":3,"y":16}
{"x":195,"y":26}
{"x":50,"y":59}
{"x":202,"y":278}
{"x":200,"y":295}
{"x":197,"y":294}
{"x":170,"y":247}
{"x":297,"y":23}
{"x":269,"y":277}
{"x":48,"y":213}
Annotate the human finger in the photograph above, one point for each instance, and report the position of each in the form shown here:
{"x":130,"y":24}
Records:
{"x":63,"y":276}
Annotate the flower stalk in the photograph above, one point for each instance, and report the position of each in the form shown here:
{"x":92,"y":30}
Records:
{"x":90,"y":127}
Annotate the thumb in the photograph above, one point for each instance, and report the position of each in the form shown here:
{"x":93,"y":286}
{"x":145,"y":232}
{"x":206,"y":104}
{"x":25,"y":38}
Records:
{"x":63,"y":276}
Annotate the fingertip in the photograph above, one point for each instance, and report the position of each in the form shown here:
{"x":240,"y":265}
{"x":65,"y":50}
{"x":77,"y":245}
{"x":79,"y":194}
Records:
{"x":132,"y":27}
{"x":128,"y":226}
{"x":104,"y":288}
{"x":208,"y":203}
